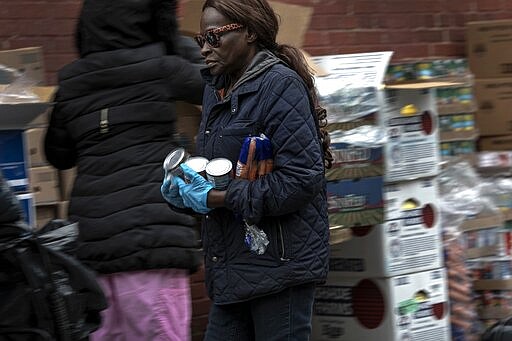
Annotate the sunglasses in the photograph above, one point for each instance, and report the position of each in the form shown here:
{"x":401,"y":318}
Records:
{"x":212,"y":37}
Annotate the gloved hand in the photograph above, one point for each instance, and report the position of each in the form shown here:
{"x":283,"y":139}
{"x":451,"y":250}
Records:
{"x":195,"y":193}
{"x":171,"y":192}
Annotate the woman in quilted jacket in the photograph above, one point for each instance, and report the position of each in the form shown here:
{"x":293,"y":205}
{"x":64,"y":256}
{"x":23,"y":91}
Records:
{"x":115,"y":120}
{"x":257,"y":86}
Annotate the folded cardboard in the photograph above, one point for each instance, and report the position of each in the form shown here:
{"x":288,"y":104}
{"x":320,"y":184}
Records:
{"x":45,"y":214}
{"x":19,"y":115}
{"x":28,"y":61}
{"x":489,"y":48}
{"x":66,"y":182}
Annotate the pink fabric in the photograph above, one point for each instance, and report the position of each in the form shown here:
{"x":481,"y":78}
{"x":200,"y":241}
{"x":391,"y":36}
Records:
{"x":151,"y":305}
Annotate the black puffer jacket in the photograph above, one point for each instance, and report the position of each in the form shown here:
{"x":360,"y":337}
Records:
{"x":115,"y":120}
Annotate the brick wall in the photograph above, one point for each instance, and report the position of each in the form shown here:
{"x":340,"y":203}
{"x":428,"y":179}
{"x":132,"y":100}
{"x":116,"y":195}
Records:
{"x":413,"y":29}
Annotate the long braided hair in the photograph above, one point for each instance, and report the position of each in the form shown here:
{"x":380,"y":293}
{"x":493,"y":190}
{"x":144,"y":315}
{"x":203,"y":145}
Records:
{"x":259,"y":17}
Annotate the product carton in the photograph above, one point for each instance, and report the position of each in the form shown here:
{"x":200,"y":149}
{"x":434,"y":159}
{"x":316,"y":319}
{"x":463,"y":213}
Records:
{"x":407,"y":241}
{"x":496,"y":143}
{"x":489,"y":48}
{"x":402,"y":308}
{"x":410,"y":119}
{"x":494,"y":100}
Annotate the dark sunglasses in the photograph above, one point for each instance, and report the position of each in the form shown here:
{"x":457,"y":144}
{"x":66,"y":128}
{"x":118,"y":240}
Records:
{"x":212,"y":37}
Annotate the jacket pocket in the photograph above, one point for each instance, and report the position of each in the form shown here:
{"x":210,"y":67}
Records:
{"x":230,"y":138}
{"x":283,"y":242}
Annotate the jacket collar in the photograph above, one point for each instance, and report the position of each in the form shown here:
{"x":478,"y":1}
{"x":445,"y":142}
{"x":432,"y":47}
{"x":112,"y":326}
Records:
{"x":260,"y":63}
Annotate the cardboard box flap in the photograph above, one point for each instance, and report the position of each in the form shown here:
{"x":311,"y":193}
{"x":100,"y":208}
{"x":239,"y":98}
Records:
{"x":19,"y":115}
{"x":293,"y":21}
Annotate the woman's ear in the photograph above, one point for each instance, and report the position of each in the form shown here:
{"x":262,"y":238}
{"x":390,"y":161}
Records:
{"x":251,"y":37}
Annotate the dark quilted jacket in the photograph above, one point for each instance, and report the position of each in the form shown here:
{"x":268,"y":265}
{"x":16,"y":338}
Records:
{"x":289,"y":204}
{"x":124,"y":222}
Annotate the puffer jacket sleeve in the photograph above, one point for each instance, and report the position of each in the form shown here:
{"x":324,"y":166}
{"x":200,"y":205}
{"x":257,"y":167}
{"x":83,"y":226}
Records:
{"x":298,"y":174}
{"x":59,"y":147}
{"x":184,"y":78}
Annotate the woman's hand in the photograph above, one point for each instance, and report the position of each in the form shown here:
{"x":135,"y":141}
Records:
{"x":194,"y":193}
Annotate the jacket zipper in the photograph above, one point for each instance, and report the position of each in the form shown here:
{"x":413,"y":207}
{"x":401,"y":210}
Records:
{"x":281,"y":238}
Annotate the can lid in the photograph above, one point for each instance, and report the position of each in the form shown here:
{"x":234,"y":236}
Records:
{"x":218,"y":167}
{"x":197,"y":163}
{"x":174,"y":158}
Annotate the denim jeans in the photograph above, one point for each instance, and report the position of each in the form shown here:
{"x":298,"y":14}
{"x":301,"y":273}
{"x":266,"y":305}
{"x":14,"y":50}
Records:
{"x":283,"y":316}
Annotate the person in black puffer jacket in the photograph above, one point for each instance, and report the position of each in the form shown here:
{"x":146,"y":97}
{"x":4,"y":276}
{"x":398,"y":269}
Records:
{"x":114,"y":119}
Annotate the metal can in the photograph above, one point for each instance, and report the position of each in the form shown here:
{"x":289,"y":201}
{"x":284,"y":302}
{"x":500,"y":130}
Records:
{"x":219,"y":171}
{"x":173,"y":160}
{"x":198,"y":164}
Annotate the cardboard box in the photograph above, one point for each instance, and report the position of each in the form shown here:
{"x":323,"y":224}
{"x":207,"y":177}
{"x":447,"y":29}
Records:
{"x":408,"y":241}
{"x":34,"y":139}
{"x":44,"y":184}
{"x":28,"y":61}
{"x":13,"y":159}
{"x":62,"y":210}
{"x":412,"y":149}
{"x":489,"y":48}
{"x":66,"y":181}
{"x":45,"y":214}
{"x":495,"y":143}
{"x":20,"y":115}
{"x":494,"y":100}
{"x":409,"y":307}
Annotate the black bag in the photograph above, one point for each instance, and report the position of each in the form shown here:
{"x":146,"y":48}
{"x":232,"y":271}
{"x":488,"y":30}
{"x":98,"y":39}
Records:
{"x":45,"y":293}
{"x":500,"y":331}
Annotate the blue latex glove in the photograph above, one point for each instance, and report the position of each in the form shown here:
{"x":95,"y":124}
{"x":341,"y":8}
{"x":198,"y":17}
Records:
{"x":195,"y":193}
{"x":171,"y":192}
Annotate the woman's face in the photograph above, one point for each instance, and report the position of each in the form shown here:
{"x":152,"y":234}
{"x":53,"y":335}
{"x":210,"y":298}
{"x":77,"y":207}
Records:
{"x":235,"y":49}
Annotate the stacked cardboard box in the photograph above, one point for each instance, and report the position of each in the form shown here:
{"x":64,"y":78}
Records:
{"x":388,"y":281}
{"x":489,"y":51}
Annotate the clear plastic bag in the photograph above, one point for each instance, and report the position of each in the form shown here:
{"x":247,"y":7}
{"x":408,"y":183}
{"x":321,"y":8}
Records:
{"x":256,"y":239}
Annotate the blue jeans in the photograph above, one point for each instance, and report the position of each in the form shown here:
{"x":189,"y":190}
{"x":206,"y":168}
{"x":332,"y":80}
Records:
{"x":283,"y":316}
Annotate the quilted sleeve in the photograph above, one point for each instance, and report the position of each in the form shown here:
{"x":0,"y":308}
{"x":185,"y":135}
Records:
{"x":59,"y":147}
{"x":298,"y":173}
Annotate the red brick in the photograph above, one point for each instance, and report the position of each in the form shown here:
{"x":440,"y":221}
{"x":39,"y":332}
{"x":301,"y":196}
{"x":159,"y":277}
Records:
{"x":488,"y":5}
{"x":198,"y":290}
{"x":199,"y":323}
{"x":54,"y":62}
{"x":316,"y":38}
{"x":24,"y":10}
{"x":368,"y":21}
{"x":393,"y":21}
{"x":448,"y":49}
{"x":201,"y":307}
{"x":368,"y":7}
{"x":429,"y":35}
{"x":332,"y":7}
{"x":398,"y":37}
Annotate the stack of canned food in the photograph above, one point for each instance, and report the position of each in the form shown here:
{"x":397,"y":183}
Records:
{"x":218,"y":171}
{"x":424,"y":70}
